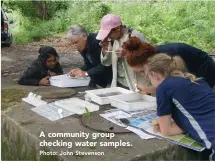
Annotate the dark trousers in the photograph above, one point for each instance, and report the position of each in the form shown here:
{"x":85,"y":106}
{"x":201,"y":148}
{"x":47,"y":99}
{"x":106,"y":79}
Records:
{"x":101,"y":80}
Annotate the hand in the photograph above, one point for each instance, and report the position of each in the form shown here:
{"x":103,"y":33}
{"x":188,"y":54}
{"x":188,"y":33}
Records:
{"x":52,"y":74}
{"x":146,"y":90}
{"x":119,"y":52}
{"x":122,"y":52}
{"x":73,"y":72}
{"x":142,"y":90}
{"x":44,"y":81}
{"x":104,"y":45}
{"x":155,"y":126}
{"x":80,"y":73}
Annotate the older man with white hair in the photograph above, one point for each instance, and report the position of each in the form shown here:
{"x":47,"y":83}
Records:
{"x":89,"y":48}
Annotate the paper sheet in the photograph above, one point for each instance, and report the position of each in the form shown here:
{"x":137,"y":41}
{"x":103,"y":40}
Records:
{"x":144,"y":123}
{"x":140,"y":133}
{"x":52,"y":112}
{"x":114,"y":117}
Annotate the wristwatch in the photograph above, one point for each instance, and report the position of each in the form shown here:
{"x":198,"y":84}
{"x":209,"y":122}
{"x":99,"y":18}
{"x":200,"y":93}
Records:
{"x":86,"y":74}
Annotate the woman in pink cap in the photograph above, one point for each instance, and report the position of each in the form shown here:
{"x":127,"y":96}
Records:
{"x":112,"y":35}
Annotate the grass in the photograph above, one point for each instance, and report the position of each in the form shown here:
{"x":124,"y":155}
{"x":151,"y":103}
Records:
{"x":164,"y":22}
{"x":191,"y":22}
{"x":11,"y":97}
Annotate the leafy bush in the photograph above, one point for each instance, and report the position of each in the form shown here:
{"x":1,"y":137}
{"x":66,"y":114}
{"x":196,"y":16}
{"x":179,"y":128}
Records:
{"x":37,"y":9}
{"x":161,"y":22}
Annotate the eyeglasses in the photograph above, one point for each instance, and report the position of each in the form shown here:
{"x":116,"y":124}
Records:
{"x":52,"y":61}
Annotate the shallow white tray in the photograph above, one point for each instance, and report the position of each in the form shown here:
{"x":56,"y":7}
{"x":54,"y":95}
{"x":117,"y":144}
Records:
{"x":66,"y":81}
{"x":101,"y":96}
{"x":77,"y":105}
{"x":134,"y":102}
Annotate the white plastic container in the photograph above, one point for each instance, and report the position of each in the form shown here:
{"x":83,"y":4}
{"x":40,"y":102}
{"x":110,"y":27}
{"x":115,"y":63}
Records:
{"x":134,"y":102}
{"x":33,"y":99}
{"x":76,"y":105}
{"x":101,"y":96}
{"x":66,"y":81}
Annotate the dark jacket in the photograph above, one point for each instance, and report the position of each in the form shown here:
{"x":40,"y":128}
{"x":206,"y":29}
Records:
{"x":197,"y":61}
{"x":36,"y":72}
{"x":92,"y":60}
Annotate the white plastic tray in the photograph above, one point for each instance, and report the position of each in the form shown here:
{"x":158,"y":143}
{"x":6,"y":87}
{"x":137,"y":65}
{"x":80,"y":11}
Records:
{"x":134,"y":102}
{"x":76,"y":105}
{"x":34,"y":99}
{"x":101,"y":96}
{"x":66,"y":81}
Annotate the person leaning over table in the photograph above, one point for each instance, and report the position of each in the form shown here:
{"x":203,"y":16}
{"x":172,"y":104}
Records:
{"x":185,"y":104}
{"x":112,"y":35}
{"x":42,"y":68}
{"x":196,"y":61}
{"x":90,"y":50}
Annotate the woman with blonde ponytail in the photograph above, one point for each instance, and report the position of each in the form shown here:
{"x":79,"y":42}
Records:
{"x":169,"y":66}
{"x":184,"y":103}
{"x":196,"y":61}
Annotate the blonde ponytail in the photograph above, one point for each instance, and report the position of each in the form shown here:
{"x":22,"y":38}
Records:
{"x":176,"y":64}
{"x":187,"y":75}
{"x":169,"y":66}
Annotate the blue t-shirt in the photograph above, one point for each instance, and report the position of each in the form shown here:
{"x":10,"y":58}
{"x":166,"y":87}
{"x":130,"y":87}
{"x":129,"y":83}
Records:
{"x":192,"y":106}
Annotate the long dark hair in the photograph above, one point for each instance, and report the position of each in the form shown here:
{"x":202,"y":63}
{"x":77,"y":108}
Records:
{"x":45,"y":52}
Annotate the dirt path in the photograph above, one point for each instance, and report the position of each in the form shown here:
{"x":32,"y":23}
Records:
{"x":16,"y":59}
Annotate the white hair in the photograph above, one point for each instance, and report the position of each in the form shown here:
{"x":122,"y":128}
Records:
{"x":76,"y":30}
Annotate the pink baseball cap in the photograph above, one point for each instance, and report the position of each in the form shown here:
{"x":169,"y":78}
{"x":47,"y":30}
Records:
{"x":108,"y":22}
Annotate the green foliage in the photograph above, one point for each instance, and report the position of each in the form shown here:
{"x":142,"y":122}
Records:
{"x":37,"y":9}
{"x":172,"y":21}
{"x":161,"y":22}
{"x":99,"y":10}
{"x":87,"y":114}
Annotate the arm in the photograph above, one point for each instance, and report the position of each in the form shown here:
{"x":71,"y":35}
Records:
{"x":87,"y":64}
{"x":168,"y":127}
{"x":30,"y":77}
{"x":106,"y":57}
{"x":98,"y":70}
{"x":146,"y":90}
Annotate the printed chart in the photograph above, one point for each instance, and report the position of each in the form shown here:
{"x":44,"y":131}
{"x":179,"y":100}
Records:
{"x":144,"y":123}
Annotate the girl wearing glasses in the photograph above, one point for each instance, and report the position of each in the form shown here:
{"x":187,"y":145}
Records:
{"x":44,"y":66}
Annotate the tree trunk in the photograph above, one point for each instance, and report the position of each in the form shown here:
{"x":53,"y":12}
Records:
{"x":41,"y":8}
